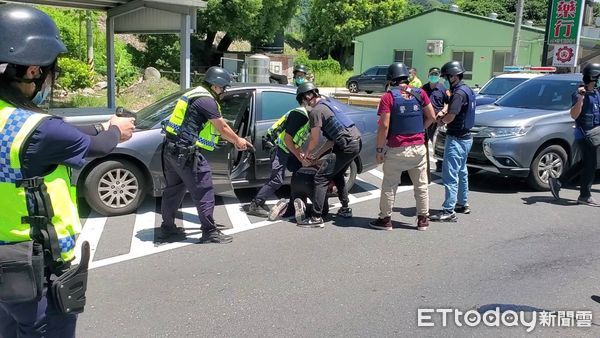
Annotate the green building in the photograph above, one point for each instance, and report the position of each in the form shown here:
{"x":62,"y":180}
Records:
{"x":434,"y":37}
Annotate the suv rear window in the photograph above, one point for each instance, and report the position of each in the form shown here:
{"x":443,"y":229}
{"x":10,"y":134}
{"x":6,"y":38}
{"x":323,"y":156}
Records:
{"x":541,"y":94}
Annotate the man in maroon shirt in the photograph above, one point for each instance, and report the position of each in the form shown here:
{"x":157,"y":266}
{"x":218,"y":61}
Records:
{"x":405,"y":113}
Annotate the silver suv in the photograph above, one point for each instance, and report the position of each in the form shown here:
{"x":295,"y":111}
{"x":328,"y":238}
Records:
{"x":526,"y":133}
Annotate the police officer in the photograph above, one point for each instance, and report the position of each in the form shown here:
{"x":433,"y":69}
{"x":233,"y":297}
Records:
{"x":38,"y":203}
{"x":289,"y":133}
{"x":586,"y":113}
{"x":459,"y":119}
{"x":195,"y":126}
{"x":438,"y":95}
{"x":299,"y":72}
{"x":327,"y":117}
{"x":405,"y":113}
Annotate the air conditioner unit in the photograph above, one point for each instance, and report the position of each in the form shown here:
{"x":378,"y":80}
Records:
{"x":434,"y":47}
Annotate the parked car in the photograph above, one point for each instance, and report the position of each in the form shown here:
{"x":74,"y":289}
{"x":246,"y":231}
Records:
{"x":117,"y":184}
{"x":526,"y":133}
{"x":372,"y":80}
{"x":500,"y":85}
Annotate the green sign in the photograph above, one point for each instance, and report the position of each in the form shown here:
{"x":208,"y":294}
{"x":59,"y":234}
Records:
{"x":565,"y":22}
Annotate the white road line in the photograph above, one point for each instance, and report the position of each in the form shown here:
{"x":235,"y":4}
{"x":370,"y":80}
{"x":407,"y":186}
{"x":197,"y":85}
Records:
{"x":376,"y":173}
{"x":142,"y":239}
{"x":91,"y":232}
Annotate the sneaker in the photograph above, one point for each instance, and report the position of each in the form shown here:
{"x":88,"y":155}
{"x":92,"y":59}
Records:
{"x":422,"y":222}
{"x":255,"y":209}
{"x":299,"y":209}
{"x":381,"y":223}
{"x":311,"y":222}
{"x":167,"y":231}
{"x":215,"y":236}
{"x":345,"y":212}
{"x":590,"y":201}
{"x":462,"y":209}
{"x":278,"y":210}
{"x":444,"y":216}
{"x":555,"y":186}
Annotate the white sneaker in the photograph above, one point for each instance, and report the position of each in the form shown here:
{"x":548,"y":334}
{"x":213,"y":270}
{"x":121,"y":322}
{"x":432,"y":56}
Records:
{"x":278,"y":210}
{"x":300,"y":210}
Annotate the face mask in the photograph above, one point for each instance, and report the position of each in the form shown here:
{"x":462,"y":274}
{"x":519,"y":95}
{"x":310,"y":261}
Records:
{"x":446,"y":83}
{"x":41,"y":96}
{"x":434,"y":78}
{"x":299,"y":80}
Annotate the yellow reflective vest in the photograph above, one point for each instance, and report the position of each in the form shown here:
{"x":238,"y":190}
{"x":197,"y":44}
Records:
{"x":208,"y":136}
{"x":278,"y":130}
{"x":16,"y":126}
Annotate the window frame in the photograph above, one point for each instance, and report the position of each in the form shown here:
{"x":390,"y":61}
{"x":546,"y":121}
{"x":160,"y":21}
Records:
{"x":468,"y":74}
{"x":403,"y":60}
{"x":507,"y":60}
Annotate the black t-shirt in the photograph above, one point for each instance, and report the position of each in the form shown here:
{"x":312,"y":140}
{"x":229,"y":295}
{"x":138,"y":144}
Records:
{"x":321,"y":113}
{"x":295,"y":121}
{"x":458,"y":100}
{"x":437,"y":95}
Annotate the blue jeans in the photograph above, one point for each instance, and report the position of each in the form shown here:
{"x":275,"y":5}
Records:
{"x":455,"y":175}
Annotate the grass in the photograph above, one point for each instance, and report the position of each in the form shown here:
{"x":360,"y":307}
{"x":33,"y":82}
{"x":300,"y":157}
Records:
{"x":133,"y":98}
{"x":330,"y":79}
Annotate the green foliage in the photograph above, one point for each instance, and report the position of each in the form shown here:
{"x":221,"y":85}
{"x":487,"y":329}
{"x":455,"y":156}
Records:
{"x":253,"y":20}
{"x":533,"y":9}
{"x":75,"y":74}
{"x":162,"y":52}
{"x":328,"y":65}
{"x":332,"y":79}
{"x":332,"y":24}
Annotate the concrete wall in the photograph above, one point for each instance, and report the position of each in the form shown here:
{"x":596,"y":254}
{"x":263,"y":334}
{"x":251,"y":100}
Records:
{"x":460,"y":32}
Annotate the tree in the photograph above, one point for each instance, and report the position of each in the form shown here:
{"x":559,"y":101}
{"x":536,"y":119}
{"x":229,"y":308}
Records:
{"x":254,"y":20}
{"x":332,"y":24}
{"x":534,"y":9}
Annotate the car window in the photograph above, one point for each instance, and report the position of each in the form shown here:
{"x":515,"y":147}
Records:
{"x":151,"y":115}
{"x":382,"y":71}
{"x":233,"y":105}
{"x":500,"y":86}
{"x":541,"y":94}
{"x":371,"y":71}
{"x":275,"y":104}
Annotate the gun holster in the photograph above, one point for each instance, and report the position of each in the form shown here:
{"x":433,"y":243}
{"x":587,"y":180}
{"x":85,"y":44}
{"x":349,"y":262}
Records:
{"x":68,"y":290}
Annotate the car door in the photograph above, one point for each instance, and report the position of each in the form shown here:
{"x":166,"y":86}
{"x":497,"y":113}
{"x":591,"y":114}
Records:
{"x":380,"y":82}
{"x":271,"y":105}
{"x":367,"y":79}
{"x":235,"y":110}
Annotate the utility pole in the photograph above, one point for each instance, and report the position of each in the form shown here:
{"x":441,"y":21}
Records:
{"x":90,"y":40}
{"x":517,"y":33}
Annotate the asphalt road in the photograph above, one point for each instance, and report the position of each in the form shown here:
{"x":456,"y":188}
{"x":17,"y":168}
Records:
{"x":519,"y":250}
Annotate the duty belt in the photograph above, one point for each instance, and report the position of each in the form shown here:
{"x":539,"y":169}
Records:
{"x":180,"y":150}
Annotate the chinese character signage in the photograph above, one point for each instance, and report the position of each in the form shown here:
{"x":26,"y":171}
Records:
{"x":564,"y":30}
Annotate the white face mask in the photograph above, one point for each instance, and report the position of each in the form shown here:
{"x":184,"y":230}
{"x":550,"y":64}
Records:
{"x":41,"y":95}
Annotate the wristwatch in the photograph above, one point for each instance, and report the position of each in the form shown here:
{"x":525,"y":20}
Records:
{"x":379,"y":150}
{"x":99,"y":128}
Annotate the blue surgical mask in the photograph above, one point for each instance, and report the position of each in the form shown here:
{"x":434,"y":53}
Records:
{"x":434,"y":78}
{"x":299,"y":80}
{"x":447,"y":83}
{"x":41,"y":96}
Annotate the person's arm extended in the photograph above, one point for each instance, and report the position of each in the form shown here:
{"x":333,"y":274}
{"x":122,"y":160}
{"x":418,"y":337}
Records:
{"x":228,"y":134}
{"x":383,"y":129}
{"x":289,"y":143}
{"x":325,"y":147}
{"x":429,"y":115}
{"x":103,"y":143}
{"x":577,"y":107}
{"x":313,"y":139}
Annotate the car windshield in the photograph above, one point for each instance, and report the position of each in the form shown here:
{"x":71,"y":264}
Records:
{"x":151,"y":115}
{"x":541,"y":94}
{"x":500,"y":85}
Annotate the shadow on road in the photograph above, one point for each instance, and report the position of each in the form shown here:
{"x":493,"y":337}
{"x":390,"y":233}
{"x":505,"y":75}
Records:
{"x":548,"y":199}
{"x":595,"y":298}
{"x":363,"y":222}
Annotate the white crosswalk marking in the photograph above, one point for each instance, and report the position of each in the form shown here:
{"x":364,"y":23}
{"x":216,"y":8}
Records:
{"x":91,"y":232}
{"x":146,"y":220}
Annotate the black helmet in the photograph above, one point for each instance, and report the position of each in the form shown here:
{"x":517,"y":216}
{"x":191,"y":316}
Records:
{"x":305,"y":88}
{"x":397,"y":70}
{"x":218,"y":76}
{"x":591,"y":72}
{"x":300,"y":68}
{"x":28,"y":36}
{"x":452,"y":68}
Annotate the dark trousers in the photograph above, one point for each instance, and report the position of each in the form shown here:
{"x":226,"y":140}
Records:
{"x":280,"y":160}
{"x":35,"y":319}
{"x":344,"y":155}
{"x":586,"y":167}
{"x":194,"y":176}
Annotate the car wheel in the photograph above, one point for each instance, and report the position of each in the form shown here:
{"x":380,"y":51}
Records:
{"x":115,"y":187}
{"x":549,"y":162}
{"x":353,"y":87}
{"x":349,"y":177}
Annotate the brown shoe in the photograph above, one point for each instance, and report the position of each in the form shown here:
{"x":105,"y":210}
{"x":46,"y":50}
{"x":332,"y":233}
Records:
{"x":381,"y":223}
{"x":422,"y":222}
